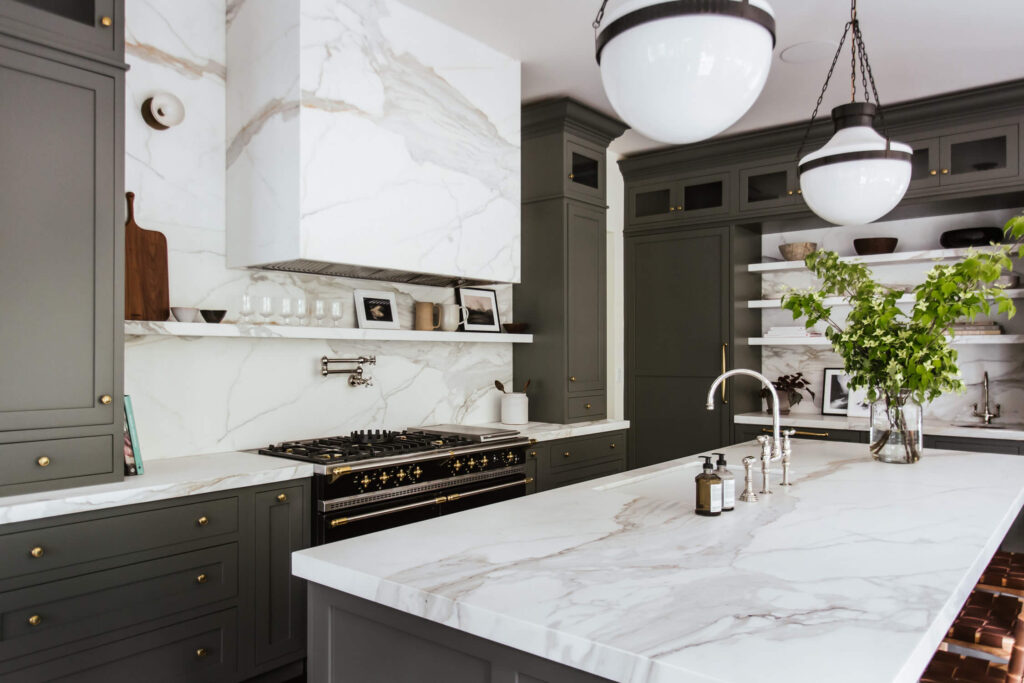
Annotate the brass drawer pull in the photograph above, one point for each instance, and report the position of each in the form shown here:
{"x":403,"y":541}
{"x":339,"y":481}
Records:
{"x":201,"y":578}
{"x":43,"y":461}
{"x":566,"y":454}
{"x":587,"y":406}
{"x":824,"y":435}
{"x":203,"y":521}
{"x":105,"y":399}
{"x":36,"y":552}
{"x":533,"y":454}
{"x":611,"y":445}
{"x":35,"y":620}
{"x":106,"y":21}
{"x":202,"y":652}
{"x":282,"y":497}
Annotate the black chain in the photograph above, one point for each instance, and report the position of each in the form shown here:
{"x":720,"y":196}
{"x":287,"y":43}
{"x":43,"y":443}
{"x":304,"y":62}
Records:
{"x":828,"y":77}
{"x":600,"y":15}
{"x":871,"y":78}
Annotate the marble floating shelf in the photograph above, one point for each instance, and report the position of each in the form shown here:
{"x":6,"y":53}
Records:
{"x":839,"y":301}
{"x":134,"y":328}
{"x":874,"y":259}
{"x":822,"y":341}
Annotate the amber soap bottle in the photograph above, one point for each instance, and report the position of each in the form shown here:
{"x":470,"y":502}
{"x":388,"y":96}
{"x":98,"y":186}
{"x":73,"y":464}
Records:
{"x":709,"y":490}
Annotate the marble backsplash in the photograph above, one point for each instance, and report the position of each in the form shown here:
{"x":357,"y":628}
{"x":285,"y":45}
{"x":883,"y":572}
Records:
{"x":204,"y":395}
{"x":1003,"y":362}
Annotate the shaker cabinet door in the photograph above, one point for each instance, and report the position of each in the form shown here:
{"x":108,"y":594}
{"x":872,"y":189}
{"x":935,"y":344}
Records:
{"x":57,"y":245}
{"x":585,"y":298}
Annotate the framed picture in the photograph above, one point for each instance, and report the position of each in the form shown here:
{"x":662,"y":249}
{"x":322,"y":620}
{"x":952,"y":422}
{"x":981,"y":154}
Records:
{"x":376,"y":310}
{"x":835,"y":397}
{"x":132,"y":451}
{"x":480,"y":308}
{"x":859,"y":405}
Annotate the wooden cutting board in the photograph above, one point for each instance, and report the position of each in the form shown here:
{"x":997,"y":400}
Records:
{"x":145,"y":270}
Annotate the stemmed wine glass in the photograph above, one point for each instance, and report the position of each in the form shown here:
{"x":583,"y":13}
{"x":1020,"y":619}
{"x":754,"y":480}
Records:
{"x":286,"y":311}
{"x":266,"y":309}
{"x":336,"y":313}
{"x":319,"y":312}
{"x":301,"y":310}
{"x":247,"y":308}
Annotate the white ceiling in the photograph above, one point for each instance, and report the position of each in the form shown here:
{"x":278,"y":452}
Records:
{"x":917,"y":48}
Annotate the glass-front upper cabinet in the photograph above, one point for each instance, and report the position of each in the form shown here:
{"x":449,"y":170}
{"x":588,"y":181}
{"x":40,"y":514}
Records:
{"x":769,"y":187}
{"x":681,"y":200}
{"x":90,"y":26}
{"x":925,"y":164}
{"x":980,"y":155}
{"x":586,"y":172}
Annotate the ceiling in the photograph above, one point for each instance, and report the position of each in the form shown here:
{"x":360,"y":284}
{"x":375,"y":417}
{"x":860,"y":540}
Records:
{"x":917,"y":49}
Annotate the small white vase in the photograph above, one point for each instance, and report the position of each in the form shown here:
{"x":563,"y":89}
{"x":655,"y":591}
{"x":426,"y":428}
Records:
{"x":514,"y":409}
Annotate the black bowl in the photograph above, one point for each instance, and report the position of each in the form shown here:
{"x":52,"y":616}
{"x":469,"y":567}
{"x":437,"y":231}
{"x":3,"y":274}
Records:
{"x":866,"y":246}
{"x":211,"y":315}
{"x":970,"y":237}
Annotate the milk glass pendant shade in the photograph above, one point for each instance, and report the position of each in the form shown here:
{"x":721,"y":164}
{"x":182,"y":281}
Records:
{"x":858,"y":176}
{"x":684,"y":70}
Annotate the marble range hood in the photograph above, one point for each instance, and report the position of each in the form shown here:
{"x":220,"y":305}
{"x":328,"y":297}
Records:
{"x":368,"y":140}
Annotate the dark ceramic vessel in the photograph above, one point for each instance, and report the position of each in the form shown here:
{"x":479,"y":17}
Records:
{"x":867,"y":246}
{"x":212,"y":316}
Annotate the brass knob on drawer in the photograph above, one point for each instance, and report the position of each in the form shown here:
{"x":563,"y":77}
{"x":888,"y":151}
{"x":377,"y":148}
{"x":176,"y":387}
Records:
{"x":202,"y":652}
{"x":201,"y":578}
{"x":611,"y":445}
{"x":202,"y":521}
{"x":106,"y":21}
{"x":945,"y":171}
{"x":43,"y":461}
{"x":36,"y":552}
{"x":572,"y":378}
{"x":587,"y":406}
{"x":933,"y":172}
{"x":566,"y":454}
{"x":35,"y":620}
{"x":282,"y":497}
{"x":105,"y":399}
{"x":533,"y":454}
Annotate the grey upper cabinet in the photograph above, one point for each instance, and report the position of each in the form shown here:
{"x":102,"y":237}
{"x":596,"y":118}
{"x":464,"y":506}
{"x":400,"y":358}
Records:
{"x":770,"y":187}
{"x":968,"y":155}
{"x":689,"y":199}
{"x":61,"y":259}
{"x":563,"y":290}
{"x":92,"y":28}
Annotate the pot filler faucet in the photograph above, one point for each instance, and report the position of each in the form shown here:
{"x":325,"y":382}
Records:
{"x":777,"y":449}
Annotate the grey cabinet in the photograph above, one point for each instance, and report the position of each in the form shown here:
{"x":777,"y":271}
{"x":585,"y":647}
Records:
{"x":188,"y":589}
{"x":563,"y":290}
{"x":959,"y":443}
{"x":93,"y":28}
{"x":570,"y":461}
{"x":689,"y":199}
{"x":748,"y":432}
{"x":770,"y":187}
{"x":61,"y":411}
{"x":966,"y":155}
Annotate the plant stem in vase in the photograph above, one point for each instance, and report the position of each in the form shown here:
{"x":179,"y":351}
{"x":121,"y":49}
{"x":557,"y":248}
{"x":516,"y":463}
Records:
{"x":895,"y":434}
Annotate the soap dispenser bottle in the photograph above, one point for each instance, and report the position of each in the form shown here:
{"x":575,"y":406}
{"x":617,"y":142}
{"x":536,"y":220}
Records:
{"x":709,"y":490}
{"x":728,"y":484}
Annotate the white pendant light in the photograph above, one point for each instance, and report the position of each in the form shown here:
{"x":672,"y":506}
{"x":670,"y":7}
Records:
{"x":684,"y":70}
{"x":859,"y":175}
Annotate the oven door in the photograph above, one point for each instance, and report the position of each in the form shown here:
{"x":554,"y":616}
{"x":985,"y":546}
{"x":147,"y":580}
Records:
{"x":477,"y":495}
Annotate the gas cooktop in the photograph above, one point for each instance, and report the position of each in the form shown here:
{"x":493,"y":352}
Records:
{"x":364,"y":445}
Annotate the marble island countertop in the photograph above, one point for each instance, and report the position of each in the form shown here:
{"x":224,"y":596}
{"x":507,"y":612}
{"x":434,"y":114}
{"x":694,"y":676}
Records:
{"x":853,"y":574}
{"x":163,"y":479}
{"x":1009,"y":432}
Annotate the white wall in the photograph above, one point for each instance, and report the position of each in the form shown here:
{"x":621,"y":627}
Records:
{"x":208,"y":395}
{"x":616,"y":300}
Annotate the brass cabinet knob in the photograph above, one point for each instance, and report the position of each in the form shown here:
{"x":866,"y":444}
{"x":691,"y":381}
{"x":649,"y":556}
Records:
{"x":671,"y":208}
{"x":36,"y":552}
{"x":572,"y":176}
{"x":945,"y":171}
{"x":201,"y":578}
{"x":43,"y":461}
{"x":202,"y":652}
{"x":282,"y":497}
{"x":533,"y":454}
{"x":203,"y":521}
{"x":789,"y":192}
{"x":587,"y":406}
{"x":933,"y":172}
{"x":572,"y":378}
{"x":105,"y":399}
{"x":566,"y":454}
{"x":35,"y":620}
{"x":611,"y":445}
{"x":106,"y":21}
{"x":679,"y":208}
{"x":799,"y":191}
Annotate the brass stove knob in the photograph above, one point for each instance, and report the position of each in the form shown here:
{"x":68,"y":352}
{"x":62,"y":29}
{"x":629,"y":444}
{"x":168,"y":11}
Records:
{"x":457,"y":465}
{"x":365,"y":481}
{"x":417,"y":471}
{"x":483,"y":461}
{"x":383,"y":478}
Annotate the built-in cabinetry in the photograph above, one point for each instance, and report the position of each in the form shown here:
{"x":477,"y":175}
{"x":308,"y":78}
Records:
{"x":62,"y":120}
{"x":747,"y":432}
{"x":187,"y":589}
{"x":563,"y":291}
{"x":552,"y":464}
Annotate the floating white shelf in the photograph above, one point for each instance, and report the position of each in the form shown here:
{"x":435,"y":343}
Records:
{"x":838,"y":301}
{"x":133,"y":328}
{"x":822,"y":341}
{"x":875,"y":259}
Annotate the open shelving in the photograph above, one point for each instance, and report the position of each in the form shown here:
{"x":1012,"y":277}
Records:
{"x":839,"y":301}
{"x":133,"y":328}
{"x":898,"y":257}
{"x":822,"y":341}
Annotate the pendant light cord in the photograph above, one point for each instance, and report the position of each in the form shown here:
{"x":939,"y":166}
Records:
{"x":821,"y":96}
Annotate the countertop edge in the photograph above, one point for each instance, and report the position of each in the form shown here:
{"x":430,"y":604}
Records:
{"x":860,"y":424}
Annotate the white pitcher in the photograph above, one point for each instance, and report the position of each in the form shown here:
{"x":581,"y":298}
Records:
{"x":451,"y":316}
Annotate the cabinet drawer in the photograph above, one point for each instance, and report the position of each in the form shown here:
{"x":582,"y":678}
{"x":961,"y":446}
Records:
{"x":587,"y":406}
{"x":32,"y":461}
{"x":581,"y":452}
{"x":590,"y":469}
{"x":816,"y":434}
{"x":50,"y":614}
{"x":74,"y":543}
{"x":197,"y":650}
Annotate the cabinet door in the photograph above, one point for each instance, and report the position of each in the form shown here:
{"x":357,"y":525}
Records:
{"x":282,"y":514}
{"x":57,"y":245}
{"x":769,"y":187}
{"x":980,"y":155}
{"x":677,"y":320}
{"x":704,"y":196}
{"x":84,"y":26}
{"x":586,"y":177}
{"x":585,"y":298}
{"x":925,"y":164}
{"x":653,"y":202}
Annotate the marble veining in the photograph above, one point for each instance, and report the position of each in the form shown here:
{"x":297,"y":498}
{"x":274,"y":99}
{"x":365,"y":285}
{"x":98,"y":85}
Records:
{"x":164,"y":479}
{"x":852,"y":575}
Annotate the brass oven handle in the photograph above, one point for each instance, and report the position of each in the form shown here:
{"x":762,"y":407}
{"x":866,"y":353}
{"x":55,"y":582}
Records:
{"x":725,"y":401}
{"x":799,"y":432}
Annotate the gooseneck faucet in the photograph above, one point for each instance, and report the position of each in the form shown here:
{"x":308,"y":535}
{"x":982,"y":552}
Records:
{"x":988,"y":414}
{"x":776,"y":438}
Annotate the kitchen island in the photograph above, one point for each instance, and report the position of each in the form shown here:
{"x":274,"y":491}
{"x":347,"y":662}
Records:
{"x":852,"y":574}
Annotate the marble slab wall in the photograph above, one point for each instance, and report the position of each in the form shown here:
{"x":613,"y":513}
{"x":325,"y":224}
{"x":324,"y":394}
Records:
{"x":1003,"y":362}
{"x":205,"y":395}
{"x":363,"y":132}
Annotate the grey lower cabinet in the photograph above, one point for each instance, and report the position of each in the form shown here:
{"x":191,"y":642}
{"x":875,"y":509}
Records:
{"x":553,"y":464}
{"x":61,"y":260}
{"x":182,"y":590}
{"x":959,"y":443}
{"x":748,"y":432}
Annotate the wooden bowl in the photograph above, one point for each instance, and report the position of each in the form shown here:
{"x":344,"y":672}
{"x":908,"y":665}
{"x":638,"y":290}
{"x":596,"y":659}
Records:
{"x":516,"y":328}
{"x":866,"y":246}
{"x":797,"y":251}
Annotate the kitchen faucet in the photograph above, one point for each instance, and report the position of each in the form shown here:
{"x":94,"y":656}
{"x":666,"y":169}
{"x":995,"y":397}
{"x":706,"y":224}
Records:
{"x":988,"y":414}
{"x":770,"y":452}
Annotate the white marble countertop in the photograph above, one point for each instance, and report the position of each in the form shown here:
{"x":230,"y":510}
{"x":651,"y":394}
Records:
{"x":860,"y":424}
{"x":163,"y":479}
{"x":851,"y":575}
{"x":549,"y":431}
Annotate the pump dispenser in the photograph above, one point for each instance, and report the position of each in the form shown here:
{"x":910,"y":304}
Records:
{"x":709,"y":490}
{"x":728,"y":484}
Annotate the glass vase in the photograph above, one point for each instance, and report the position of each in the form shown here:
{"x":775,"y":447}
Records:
{"x":896,"y":434}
